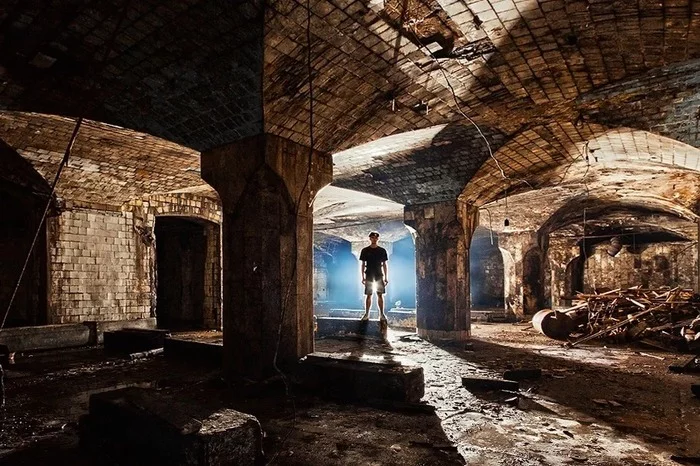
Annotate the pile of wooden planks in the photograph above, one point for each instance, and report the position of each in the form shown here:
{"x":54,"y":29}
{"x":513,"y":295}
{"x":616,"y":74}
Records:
{"x":671,"y":315}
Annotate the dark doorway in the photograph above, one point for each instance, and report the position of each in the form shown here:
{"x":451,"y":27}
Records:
{"x":181,"y":255}
{"x":574,"y":278}
{"x":20,"y":220}
{"x":486,"y":277}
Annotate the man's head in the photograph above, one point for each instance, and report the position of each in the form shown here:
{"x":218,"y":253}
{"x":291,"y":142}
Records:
{"x":373,"y":237}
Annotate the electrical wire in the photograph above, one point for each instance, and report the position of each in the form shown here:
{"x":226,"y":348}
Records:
{"x":64,"y":161}
{"x":285,"y":301}
{"x":411,"y":27}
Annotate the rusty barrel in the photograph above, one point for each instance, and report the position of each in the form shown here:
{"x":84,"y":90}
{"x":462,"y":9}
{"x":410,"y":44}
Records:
{"x":553,"y":324}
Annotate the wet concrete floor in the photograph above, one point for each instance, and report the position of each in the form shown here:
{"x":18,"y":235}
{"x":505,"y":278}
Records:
{"x":593,"y":405}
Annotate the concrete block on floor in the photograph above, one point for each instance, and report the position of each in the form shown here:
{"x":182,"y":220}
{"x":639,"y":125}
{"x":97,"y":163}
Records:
{"x":133,"y":340}
{"x":486,"y":383}
{"x":198,"y":352}
{"x":135,"y":424}
{"x":362,"y":378}
{"x":341,"y":326}
{"x":18,"y":339}
{"x":98,"y":328}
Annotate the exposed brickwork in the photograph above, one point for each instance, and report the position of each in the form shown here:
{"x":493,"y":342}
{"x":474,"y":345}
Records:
{"x":190,"y":205}
{"x":434,"y":167}
{"x":515,"y":65}
{"x":544,"y":156}
{"x":168,"y":74}
{"x":96,"y":268}
{"x":108,"y":166}
{"x":656,"y":265}
{"x":101,"y":262}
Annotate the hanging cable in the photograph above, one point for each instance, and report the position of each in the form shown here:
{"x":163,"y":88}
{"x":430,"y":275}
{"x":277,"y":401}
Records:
{"x":287,"y":294}
{"x":64,"y":161}
{"x":411,"y":27}
{"x":66,"y":156}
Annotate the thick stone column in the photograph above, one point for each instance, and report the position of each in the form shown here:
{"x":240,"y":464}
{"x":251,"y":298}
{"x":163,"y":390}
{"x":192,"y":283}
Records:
{"x":266,"y":184}
{"x":443,"y":236}
{"x":560,"y":253}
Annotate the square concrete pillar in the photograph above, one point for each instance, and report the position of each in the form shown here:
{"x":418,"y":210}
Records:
{"x":443,"y":237}
{"x":267,"y":185}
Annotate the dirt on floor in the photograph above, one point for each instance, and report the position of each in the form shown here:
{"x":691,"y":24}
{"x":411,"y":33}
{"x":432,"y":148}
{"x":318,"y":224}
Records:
{"x":593,"y":405}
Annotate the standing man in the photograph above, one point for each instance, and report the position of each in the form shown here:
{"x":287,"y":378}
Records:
{"x":375,"y":274}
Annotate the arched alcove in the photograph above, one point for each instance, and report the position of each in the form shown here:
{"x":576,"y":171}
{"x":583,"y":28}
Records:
{"x":188,"y":285}
{"x":486,"y":271}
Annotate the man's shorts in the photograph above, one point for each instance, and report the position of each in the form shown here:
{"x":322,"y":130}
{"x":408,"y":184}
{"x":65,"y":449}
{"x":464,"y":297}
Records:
{"x":374,"y":286}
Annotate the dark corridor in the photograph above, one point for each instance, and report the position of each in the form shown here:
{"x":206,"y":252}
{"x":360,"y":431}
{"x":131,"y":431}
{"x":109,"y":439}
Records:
{"x":181,"y":252}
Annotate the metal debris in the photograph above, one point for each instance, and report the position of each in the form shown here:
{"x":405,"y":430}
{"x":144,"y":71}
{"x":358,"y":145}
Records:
{"x":671,"y":316}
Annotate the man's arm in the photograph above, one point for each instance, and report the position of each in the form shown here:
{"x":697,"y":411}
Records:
{"x":385,"y":267}
{"x":362,"y":271}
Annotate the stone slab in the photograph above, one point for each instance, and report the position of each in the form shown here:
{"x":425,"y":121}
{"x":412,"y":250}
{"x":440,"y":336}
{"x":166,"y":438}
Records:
{"x":98,"y":328}
{"x":340,"y":326}
{"x":350,"y":377}
{"x":198,"y":352}
{"x":134,"y":340}
{"x":41,"y":337}
{"x":485,"y":383}
{"x":397,"y":317}
{"x":136,"y":424}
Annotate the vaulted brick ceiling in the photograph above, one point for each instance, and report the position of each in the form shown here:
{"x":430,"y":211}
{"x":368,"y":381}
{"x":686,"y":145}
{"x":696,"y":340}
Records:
{"x":108,"y":166}
{"x":539,"y":77}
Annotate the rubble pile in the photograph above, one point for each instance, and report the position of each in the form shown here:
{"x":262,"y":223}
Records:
{"x":664,"y":317}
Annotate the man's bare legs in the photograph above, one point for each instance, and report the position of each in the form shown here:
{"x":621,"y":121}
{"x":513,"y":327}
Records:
{"x":380,"y":305}
{"x":368,"y":305}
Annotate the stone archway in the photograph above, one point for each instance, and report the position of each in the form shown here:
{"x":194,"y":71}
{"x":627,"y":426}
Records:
{"x":486,"y":271}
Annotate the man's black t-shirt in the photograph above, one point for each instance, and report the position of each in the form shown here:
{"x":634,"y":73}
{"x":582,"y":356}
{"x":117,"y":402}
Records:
{"x":373,"y":257}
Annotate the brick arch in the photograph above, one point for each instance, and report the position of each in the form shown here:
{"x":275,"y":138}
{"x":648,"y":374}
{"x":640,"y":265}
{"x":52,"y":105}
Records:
{"x":531,"y":158}
{"x":109,"y":165}
{"x":187,"y":205}
{"x":571,"y":212}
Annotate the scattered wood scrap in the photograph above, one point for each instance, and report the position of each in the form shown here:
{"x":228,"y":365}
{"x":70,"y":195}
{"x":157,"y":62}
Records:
{"x":670,"y":316}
